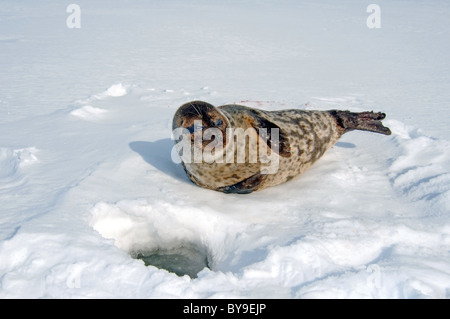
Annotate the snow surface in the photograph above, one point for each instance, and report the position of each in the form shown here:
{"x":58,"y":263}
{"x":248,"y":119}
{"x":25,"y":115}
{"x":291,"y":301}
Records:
{"x":87,"y":181}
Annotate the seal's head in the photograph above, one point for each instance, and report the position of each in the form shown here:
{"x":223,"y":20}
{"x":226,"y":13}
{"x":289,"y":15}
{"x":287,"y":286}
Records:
{"x":201,"y":118}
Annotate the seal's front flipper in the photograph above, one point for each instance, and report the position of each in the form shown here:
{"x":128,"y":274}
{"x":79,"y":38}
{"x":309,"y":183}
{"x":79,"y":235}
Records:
{"x":364,"y":121}
{"x":246,"y":186}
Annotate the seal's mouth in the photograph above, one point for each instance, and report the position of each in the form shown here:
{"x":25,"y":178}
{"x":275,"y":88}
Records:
{"x":207,"y":137}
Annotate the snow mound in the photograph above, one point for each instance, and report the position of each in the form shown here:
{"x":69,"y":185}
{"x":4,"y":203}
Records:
{"x":117,"y":90}
{"x":89,"y":113}
{"x":12,"y":160}
{"x":26,"y":156}
{"x":114,"y":91}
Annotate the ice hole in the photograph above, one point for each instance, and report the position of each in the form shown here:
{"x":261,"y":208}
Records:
{"x":154,"y":234}
{"x":186,"y":259}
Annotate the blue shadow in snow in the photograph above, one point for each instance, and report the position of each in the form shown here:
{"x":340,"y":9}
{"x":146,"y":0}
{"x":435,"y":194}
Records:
{"x":158,"y":154}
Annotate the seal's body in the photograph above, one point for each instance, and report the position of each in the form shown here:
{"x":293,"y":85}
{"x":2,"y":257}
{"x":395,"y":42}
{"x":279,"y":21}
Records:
{"x":255,"y":149}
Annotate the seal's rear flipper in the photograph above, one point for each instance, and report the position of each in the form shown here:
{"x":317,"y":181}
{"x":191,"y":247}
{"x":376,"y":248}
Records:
{"x":364,"y":121}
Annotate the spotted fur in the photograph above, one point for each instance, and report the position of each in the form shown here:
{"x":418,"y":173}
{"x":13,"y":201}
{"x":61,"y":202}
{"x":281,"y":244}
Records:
{"x":304,"y":136}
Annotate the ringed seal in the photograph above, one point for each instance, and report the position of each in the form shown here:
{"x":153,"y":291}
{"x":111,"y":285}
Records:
{"x":238,"y":149}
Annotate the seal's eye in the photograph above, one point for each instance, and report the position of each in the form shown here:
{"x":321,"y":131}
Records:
{"x":219,"y":122}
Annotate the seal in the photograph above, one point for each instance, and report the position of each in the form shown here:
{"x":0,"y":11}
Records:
{"x":238,"y":149}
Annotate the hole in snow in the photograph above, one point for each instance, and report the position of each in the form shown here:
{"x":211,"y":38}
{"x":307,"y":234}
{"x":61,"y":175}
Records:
{"x":183,"y":260}
{"x":149,"y":231}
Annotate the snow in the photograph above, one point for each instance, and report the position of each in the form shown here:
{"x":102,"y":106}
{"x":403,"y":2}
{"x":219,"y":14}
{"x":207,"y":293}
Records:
{"x":88,"y":184}
{"x":89,"y":112}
